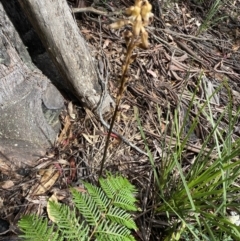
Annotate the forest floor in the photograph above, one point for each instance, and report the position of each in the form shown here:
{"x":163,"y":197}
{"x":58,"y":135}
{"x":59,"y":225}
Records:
{"x":183,"y":60}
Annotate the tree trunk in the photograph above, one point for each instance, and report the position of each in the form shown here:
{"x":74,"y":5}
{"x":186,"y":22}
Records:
{"x":25,"y":132}
{"x":26,"y":95}
{"x":54,"y":24}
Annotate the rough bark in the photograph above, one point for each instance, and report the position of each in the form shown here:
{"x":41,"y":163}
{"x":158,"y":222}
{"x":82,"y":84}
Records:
{"x":55,"y":25}
{"x":25,"y":132}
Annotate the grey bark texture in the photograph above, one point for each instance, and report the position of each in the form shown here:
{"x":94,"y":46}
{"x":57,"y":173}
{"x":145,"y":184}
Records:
{"x":29,"y":102}
{"x":25,"y":100}
{"x":55,"y":25}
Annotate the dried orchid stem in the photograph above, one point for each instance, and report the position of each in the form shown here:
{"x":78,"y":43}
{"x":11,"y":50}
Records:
{"x":140,"y":15}
{"x":121,"y":89}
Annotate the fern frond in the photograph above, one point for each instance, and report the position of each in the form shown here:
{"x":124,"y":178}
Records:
{"x":87,"y":207}
{"x":103,"y":209}
{"x":124,"y":203}
{"x":36,"y":228}
{"x":67,"y":222}
{"x":98,"y":196}
{"x":120,"y":190}
{"x":113,"y":232}
{"x":120,"y":216}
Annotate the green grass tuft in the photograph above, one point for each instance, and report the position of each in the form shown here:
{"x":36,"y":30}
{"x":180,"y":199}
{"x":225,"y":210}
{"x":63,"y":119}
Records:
{"x":198,"y":197}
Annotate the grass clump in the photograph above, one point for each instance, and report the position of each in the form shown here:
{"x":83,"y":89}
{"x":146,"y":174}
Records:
{"x":211,"y":16}
{"x":199,"y":197}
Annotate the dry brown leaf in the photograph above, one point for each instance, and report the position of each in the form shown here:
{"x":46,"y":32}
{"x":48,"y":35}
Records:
{"x":174,"y":74}
{"x":1,"y":202}
{"x":235,"y":47}
{"x":125,"y":106}
{"x":7,"y":184}
{"x":73,"y":169}
{"x":152,"y":73}
{"x":106,"y":43}
{"x":87,"y":138}
{"x":176,"y":58}
{"x":80,"y":189}
{"x":63,"y":162}
{"x":137,"y":137}
{"x":84,"y":30}
{"x":176,"y":68}
{"x":60,"y":194}
{"x":47,"y":180}
{"x":124,"y":117}
{"x":71,"y":110}
{"x":65,"y":129}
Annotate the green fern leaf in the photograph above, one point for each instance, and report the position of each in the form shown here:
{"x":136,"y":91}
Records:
{"x":124,"y":203}
{"x":87,"y":207}
{"x":98,"y":196}
{"x":103,"y":209}
{"x":113,"y":232}
{"x":119,"y":183}
{"x":67,"y":222}
{"x":121,"y":191}
{"x":36,"y":229}
{"x":120,"y":216}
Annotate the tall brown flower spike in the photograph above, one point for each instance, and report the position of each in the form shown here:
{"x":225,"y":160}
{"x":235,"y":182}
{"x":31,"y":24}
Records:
{"x":138,"y":17}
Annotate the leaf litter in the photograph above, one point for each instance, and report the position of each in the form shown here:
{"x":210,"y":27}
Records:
{"x":162,"y":78}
